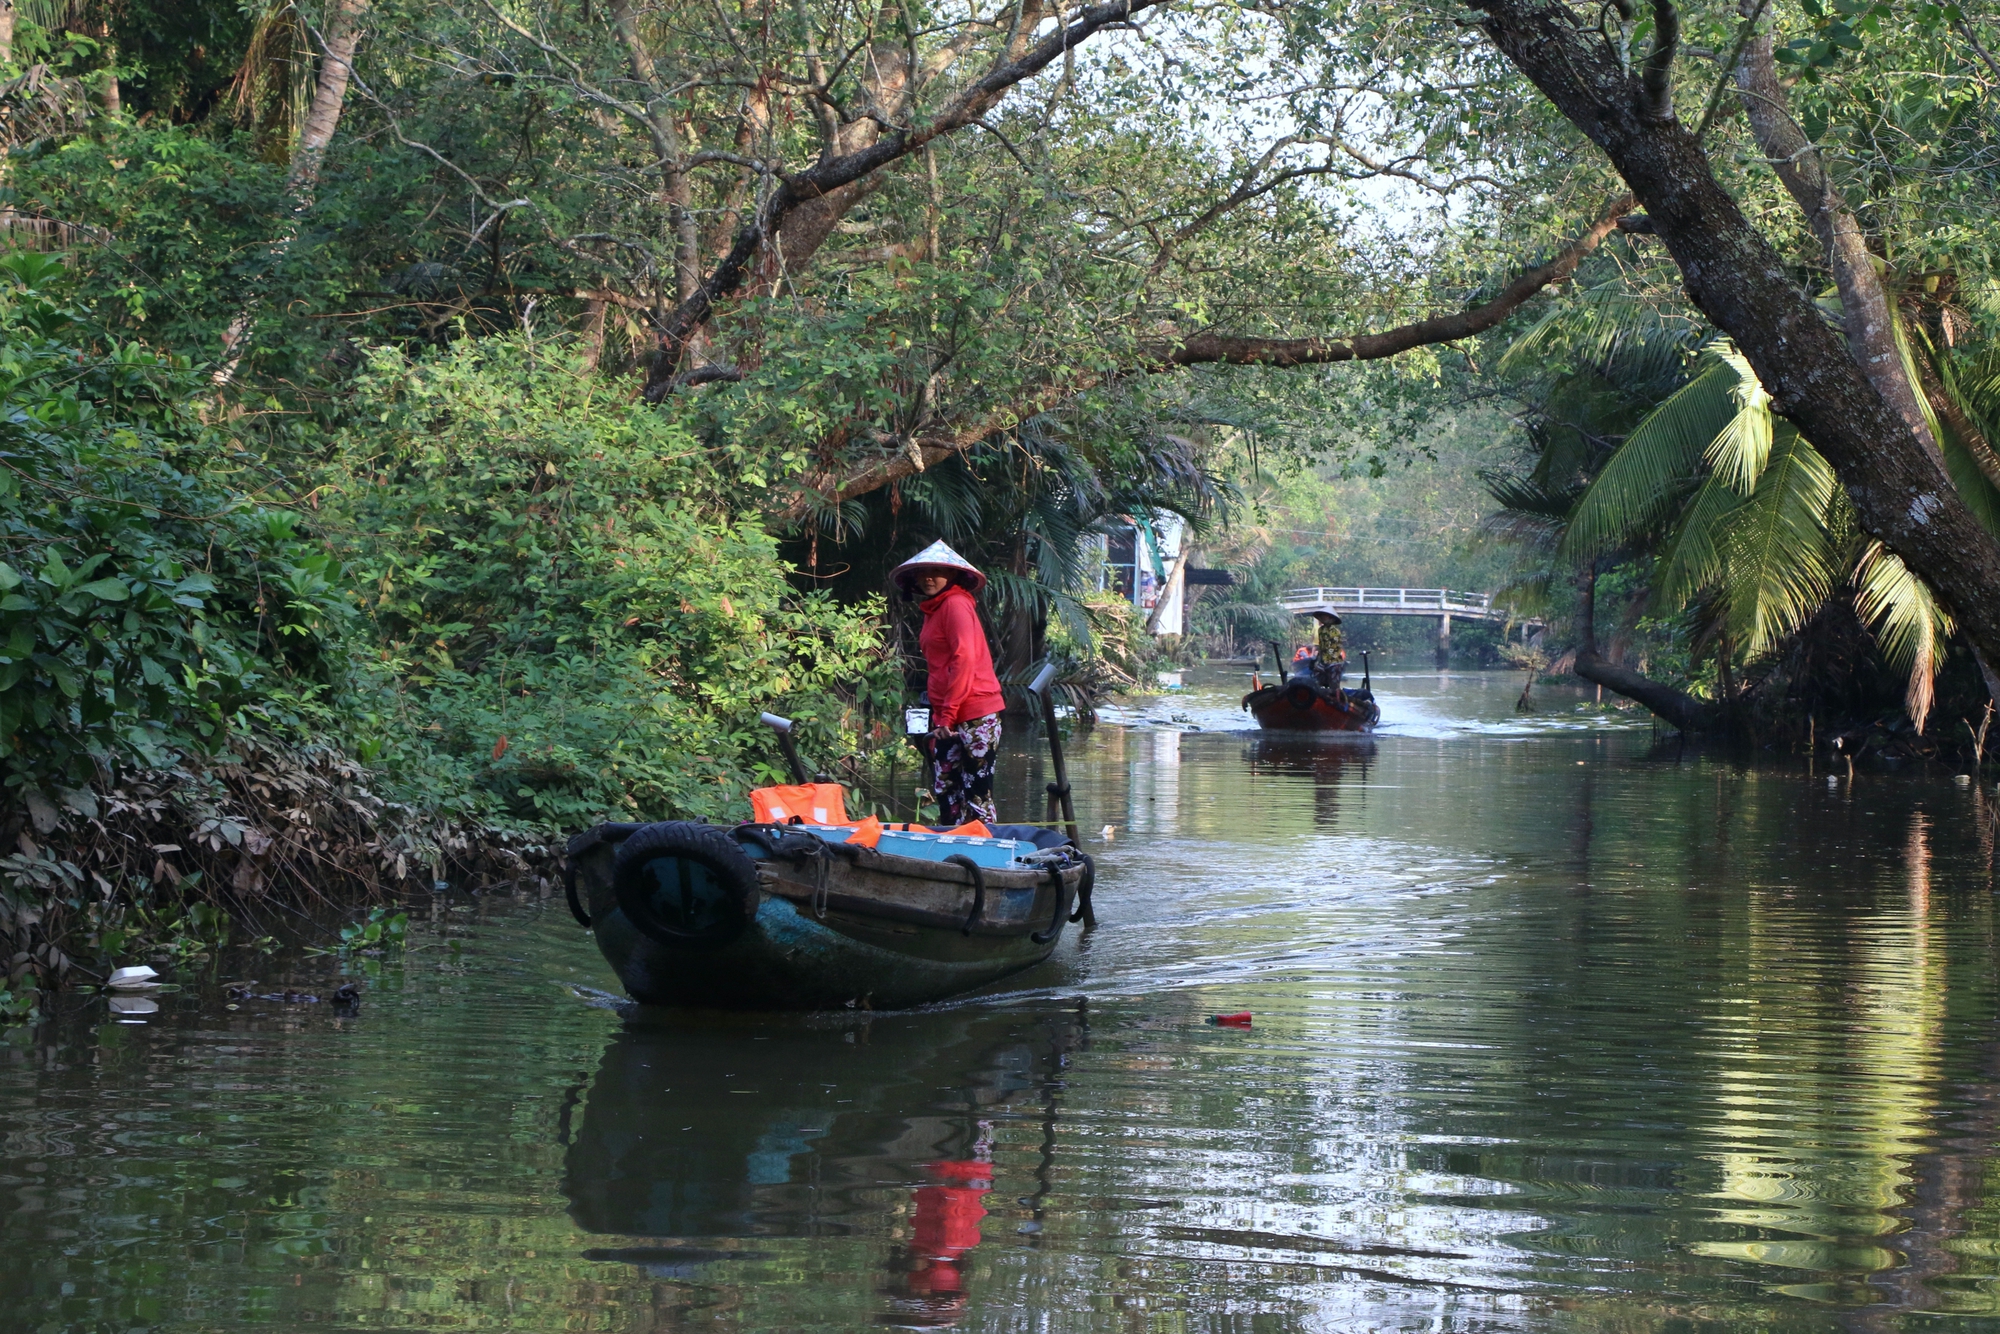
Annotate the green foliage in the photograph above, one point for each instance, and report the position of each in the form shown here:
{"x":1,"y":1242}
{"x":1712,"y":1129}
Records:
{"x":176,"y":928}
{"x":147,"y":605}
{"x":381,"y":929}
{"x":572,"y":622}
{"x":18,"y":1007}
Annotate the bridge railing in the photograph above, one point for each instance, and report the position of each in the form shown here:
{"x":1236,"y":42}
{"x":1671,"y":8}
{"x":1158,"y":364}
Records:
{"x":1387,"y":599}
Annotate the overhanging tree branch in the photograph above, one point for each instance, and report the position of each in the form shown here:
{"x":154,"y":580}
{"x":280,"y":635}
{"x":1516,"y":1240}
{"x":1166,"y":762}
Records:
{"x":831,"y":173}
{"x":913,"y":455}
{"x":1234,"y":350}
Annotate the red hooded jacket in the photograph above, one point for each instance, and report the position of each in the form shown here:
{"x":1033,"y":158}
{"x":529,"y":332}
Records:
{"x":962,"y":683}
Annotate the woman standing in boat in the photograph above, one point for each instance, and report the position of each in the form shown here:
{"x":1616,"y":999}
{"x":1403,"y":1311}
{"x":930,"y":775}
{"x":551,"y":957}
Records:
{"x":965,"y":694}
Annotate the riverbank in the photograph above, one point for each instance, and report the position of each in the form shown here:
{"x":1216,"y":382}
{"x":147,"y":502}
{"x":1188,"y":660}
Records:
{"x":249,"y":665}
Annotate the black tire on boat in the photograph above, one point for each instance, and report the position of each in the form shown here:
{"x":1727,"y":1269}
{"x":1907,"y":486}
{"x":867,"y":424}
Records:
{"x":685,"y":883}
{"x":1300,"y":697}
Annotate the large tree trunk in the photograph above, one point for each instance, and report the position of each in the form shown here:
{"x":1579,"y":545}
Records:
{"x":1674,"y":706}
{"x":1865,"y":307}
{"x":1732,"y":274}
{"x":341,"y":35}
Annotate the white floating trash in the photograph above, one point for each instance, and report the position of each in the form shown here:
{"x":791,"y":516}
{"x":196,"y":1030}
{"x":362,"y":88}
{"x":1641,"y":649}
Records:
{"x":131,"y":979}
{"x":134,"y":1005}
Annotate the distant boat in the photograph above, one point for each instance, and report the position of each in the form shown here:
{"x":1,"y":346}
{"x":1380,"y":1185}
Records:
{"x":785,"y":917}
{"x":1302,"y":705}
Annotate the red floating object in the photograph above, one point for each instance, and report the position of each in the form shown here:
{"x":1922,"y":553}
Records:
{"x":1241,"y":1019}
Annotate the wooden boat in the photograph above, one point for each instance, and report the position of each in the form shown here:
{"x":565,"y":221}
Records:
{"x":1304,"y":705}
{"x":766,"y":916}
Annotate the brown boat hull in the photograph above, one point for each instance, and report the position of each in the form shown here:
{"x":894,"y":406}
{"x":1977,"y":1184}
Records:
{"x":1301,"y":706}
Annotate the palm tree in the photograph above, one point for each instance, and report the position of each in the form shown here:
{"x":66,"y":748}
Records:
{"x":1742,"y":518}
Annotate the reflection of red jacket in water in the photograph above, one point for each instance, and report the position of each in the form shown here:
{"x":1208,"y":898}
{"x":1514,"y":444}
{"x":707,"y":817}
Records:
{"x":946,"y":1225}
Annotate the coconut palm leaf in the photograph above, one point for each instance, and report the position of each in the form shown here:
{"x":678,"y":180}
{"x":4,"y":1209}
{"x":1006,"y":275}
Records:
{"x":1908,"y":622}
{"x":1692,"y":558}
{"x":1978,"y":493}
{"x":1741,"y":449}
{"x":1628,"y":340}
{"x":1653,"y":471}
{"x":273,"y":86}
{"x":1531,"y":515}
{"x":1778,"y":551}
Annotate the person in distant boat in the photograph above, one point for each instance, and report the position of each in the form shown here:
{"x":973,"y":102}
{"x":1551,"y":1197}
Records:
{"x":965,"y":694}
{"x":1331,"y":662}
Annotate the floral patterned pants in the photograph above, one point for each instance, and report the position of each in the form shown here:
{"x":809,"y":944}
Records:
{"x":964,"y":764}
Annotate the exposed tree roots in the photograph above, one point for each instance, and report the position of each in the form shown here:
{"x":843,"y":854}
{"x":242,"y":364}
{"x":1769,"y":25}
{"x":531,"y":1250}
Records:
{"x":261,"y":834}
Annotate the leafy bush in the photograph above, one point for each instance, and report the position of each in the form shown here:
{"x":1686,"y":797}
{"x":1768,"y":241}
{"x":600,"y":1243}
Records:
{"x":148,"y":606}
{"x":572,"y":622}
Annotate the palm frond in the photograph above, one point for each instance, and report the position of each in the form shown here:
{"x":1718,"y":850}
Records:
{"x":273,"y":86}
{"x":1908,"y":622}
{"x":1779,"y":551}
{"x":1627,"y":338}
{"x":1741,"y":449}
{"x":1971,"y":380}
{"x":1692,"y":559}
{"x":1532,"y":516}
{"x":1653,"y":470}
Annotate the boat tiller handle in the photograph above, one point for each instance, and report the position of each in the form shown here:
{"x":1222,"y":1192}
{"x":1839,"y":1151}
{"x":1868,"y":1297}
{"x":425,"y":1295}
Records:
{"x":1364,"y":671}
{"x":972,"y":869}
{"x":1059,"y":797}
{"x":783,"y":727}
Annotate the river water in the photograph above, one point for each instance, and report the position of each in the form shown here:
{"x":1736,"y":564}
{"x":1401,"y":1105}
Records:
{"x":1552,"y":1031}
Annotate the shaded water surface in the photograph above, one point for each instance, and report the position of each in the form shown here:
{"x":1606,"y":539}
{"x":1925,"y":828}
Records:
{"x":1551,"y":1033}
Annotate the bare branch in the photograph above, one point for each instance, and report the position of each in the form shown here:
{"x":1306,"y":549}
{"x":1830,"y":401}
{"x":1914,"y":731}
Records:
{"x":913,"y":456}
{"x":830,"y":174}
{"x":1243,"y":351}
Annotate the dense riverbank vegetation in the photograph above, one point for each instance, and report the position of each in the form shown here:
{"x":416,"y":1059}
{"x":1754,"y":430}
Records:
{"x":431,"y":429}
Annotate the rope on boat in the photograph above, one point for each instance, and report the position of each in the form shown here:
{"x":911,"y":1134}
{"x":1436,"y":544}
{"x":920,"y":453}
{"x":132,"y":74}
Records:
{"x":1055,"y":925}
{"x":1084,"y":912}
{"x":978,"y":889}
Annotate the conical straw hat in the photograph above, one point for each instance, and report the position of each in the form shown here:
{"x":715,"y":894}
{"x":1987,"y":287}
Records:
{"x":937,"y":558}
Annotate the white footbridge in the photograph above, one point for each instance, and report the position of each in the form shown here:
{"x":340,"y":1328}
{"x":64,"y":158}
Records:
{"x":1440,"y":604}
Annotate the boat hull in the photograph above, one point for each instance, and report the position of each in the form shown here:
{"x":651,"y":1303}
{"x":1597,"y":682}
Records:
{"x":1303,"y":706}
{"x":882,"y":932}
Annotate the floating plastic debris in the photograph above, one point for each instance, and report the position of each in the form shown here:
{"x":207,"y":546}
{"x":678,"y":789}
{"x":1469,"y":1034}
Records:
{"x":131,"y":979}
